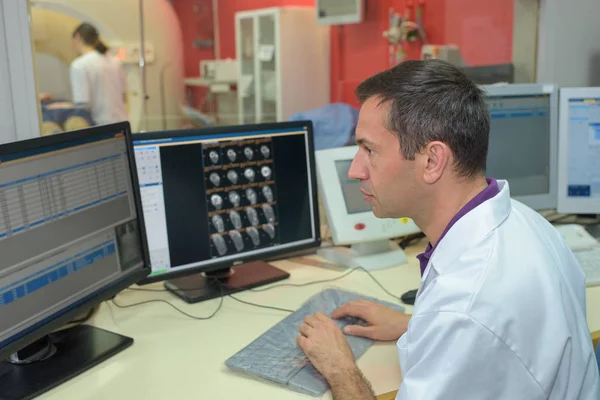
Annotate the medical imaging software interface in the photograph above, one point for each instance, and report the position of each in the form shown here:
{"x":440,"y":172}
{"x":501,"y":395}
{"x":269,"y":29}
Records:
{"x":68,"y":228}
{"x":207,"y":199}
{"x":354,"y":199}
{"x":583,"y":156}
{"x":519,"y":146}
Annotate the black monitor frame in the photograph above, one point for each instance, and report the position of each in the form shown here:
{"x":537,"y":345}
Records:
{"x":220,"y":130}
{"x":63,"y":317}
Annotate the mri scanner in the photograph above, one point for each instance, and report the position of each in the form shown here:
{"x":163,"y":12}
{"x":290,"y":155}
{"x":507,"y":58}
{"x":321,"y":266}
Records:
{"x":155,"y":86}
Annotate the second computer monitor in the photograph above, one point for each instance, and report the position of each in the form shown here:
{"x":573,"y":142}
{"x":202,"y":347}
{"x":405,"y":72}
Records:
{"x":523,"y":141}
{"x":579,"y":154}
{"x":216,"y":197}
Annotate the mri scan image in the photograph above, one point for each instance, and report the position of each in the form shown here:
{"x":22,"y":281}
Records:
{"x":249,"y":174}
{"x":269,"y":213}
{"x":215,"y":178}
{"x":234,"y":198}
{"x":266,"y":172}
{"x":214,"y":156}
{"x":237,"y":240}
{"x":251,"y":195}
{"x":269,"y":230}
{"x":218,"y":223}
{"x":265,"y":151}
{"x":232,"y":176}
{"x":253,"y":233}
{"x":249,"y":153}
{"x":216,"y":201}
{"x":231,"y":155}
{"x":236,"y":220}
{"x":268,"y":193}
{"x":252,"y":215}
{"x":219,"y":243}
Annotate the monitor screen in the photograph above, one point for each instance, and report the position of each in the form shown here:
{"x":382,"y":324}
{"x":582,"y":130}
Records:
{"x":519,"y":146}
{"x":231,"y":194}
{"x":583,"y":155}
{"x":579,"y":172}
{"x":69,"y":230}
{"x":353,"y":198}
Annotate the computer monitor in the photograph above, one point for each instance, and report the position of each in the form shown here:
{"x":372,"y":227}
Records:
{"x":70,"y":238}
{"x":579,"y":151}
{"x":523,"y":141}
{"x":351,"y":220}
{"x":217,"y":197}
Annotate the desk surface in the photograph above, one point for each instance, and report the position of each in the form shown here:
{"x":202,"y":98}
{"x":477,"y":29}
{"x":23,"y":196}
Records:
{"x":177,"y":357}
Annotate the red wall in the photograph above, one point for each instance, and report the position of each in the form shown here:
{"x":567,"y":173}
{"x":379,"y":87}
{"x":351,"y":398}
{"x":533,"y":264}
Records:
{"x":482,"y":30}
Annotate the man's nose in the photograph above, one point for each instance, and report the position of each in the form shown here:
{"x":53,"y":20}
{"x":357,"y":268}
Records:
{"x":356,"y":171}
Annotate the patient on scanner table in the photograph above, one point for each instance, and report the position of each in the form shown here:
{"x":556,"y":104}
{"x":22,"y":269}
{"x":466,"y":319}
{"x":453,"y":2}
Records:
{"x":62,"y":115}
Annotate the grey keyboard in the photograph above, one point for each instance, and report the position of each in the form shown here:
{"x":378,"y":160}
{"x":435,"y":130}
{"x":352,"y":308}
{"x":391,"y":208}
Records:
{"x":274,"y":355}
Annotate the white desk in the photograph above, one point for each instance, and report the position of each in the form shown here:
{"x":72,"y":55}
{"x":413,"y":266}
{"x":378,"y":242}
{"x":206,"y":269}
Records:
{"x":177,"y":357}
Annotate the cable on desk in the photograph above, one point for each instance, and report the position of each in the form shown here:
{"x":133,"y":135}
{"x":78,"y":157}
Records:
{"x":253,"y":290}
{"x":260,"y":305}
{"x":345,"y":274}
{"x":170,"y":304}
{"x":234,"y":298}
{"x":285,"y":284}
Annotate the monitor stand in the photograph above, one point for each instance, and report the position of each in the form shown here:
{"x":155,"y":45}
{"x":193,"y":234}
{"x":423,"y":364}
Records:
{"x":371,"y":256}
{"x":56,"y":358}
{"x":209,"y":285}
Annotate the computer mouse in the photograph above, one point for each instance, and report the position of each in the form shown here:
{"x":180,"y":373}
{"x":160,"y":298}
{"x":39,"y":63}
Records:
{"x":409,"y":297}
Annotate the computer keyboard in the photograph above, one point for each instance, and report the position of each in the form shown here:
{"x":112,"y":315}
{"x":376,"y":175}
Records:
{"x":274,"y":355}
{"x":590,"y":263}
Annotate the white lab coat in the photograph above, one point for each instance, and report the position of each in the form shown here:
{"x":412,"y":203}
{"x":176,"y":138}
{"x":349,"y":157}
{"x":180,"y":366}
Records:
{"x":500,"y":313}
{"x":98,"y":81}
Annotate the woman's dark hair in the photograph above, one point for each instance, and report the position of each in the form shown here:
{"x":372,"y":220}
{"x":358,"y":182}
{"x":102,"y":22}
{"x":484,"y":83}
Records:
{"x":90,"y":36}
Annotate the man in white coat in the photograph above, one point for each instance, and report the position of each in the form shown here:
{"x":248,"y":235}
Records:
{"x":500,"y":312}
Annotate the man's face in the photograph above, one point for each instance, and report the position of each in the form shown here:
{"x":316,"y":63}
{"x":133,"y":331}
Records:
{"x":388,"y":180}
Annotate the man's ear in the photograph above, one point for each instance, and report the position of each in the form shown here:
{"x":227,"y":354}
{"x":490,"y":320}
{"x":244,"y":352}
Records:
{"x":435,"y":157}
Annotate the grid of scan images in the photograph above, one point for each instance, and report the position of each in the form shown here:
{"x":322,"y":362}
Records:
{"x":242,"y":206}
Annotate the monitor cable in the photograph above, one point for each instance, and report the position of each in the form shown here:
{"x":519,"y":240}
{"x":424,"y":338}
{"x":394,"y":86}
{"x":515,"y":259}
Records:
{"x":345,"y":274}
{"x":170,"y":304}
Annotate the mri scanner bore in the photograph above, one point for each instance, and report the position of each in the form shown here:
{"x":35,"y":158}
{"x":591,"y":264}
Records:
{"x":155,"y":92}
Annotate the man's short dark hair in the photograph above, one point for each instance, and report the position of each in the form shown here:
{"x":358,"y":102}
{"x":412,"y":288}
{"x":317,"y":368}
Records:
{"x":434,"y":100}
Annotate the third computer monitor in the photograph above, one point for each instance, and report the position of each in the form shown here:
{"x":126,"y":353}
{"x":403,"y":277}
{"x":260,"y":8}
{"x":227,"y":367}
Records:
{"x":523,"y":141}
{"x":579,"y":151}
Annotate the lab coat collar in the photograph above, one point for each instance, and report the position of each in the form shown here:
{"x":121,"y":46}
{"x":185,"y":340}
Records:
{"x":471,"y":229}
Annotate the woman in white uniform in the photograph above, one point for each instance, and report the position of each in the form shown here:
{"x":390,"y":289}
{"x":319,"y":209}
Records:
{"x":97,"y":78}
{"x":501,"y":310}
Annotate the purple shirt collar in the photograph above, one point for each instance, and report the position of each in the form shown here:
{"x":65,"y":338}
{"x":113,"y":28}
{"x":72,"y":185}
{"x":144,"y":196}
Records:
{"x":490,"y":191}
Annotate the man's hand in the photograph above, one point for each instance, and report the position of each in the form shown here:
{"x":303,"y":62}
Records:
{"x":325,"y":345}
{"x":327,"y":348}
{"x":383,"y":323}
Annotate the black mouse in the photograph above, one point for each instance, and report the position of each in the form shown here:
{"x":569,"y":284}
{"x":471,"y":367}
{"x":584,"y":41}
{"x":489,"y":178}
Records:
{"x":409,"y":297}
